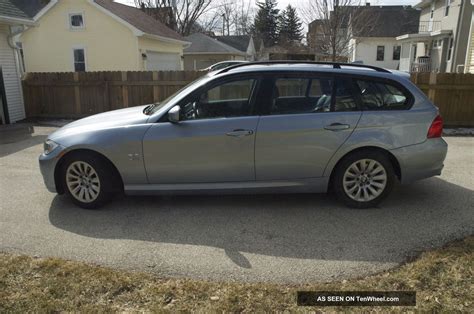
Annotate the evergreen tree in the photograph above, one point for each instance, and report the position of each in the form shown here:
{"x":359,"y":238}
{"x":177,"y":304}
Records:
{"x":290,"y":26}
{"x":265,"y":25}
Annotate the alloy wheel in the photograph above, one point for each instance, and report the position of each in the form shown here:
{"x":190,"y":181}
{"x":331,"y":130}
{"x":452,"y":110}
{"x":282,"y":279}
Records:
{"x":83,"y":181}
{"x":365,"y":180}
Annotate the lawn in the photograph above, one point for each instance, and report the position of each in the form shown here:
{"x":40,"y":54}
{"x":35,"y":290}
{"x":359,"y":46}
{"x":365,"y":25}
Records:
{"x":443,"y":279}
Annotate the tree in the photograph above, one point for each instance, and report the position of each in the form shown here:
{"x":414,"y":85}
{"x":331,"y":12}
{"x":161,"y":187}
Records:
{"x":265,"y":26}
{"x":290,"y":29}
{"x":185,"y":13}
{"x":331,"y":23}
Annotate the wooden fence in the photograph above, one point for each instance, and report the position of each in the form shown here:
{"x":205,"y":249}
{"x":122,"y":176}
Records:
{"x":72,"y":95}
{"x":453,"y":93}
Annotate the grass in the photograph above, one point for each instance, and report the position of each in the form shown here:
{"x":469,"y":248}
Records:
{"x":443,"y":279}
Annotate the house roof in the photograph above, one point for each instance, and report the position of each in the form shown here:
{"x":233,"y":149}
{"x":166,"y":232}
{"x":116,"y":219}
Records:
{"x":378,"y":21}
{"x":7,"y":8}
{"x":388,"y":21}
{"x":239,"y":42}
{"x":139,"y":19}
{"x":30,"y":7}
{"x":201,"y":43}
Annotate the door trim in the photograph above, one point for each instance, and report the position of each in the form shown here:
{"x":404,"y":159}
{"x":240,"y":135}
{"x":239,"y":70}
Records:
{"x":3,"y":96}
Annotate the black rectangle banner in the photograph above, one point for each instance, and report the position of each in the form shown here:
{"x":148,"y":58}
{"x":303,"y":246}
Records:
{"x":356,"y":298}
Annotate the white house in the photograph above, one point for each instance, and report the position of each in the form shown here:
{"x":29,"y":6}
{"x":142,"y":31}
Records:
{"x":12,"y":107}
{"x":440,"y":44}
{"x":374,"y":42}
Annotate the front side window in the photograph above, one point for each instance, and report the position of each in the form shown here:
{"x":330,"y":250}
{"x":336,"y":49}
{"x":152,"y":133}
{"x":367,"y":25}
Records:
{"x":76,"y":21}
{"x":344,"y":97}
{"x":301,"y":95}
{"x":79,"y":60}
{"x":230,"y":99}
{"x":381,"y":96}
{"x":396,"y":52}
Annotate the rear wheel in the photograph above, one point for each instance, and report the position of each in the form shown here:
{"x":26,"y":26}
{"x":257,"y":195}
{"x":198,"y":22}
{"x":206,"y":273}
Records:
{"x":86,"y":179}
{"x":363,"y":179}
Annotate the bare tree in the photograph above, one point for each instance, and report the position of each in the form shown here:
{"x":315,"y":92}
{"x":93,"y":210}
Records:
{"x":332,"y":24}
{"x":230,"y":17}
{"x":186,"y":13}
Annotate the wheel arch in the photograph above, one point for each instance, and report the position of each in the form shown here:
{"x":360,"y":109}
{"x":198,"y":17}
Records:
{"x":391,"y":157}
{"x":57,"y":170}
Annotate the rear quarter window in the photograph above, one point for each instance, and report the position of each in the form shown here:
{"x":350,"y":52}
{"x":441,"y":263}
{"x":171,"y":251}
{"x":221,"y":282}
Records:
{"x":377,"y":95}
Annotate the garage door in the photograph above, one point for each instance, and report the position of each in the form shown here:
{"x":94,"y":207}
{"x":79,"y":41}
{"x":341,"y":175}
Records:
{"x":158,"y":61}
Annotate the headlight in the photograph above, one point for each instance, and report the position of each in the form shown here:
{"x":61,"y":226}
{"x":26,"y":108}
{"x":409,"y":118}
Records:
{"x":49,"y":146}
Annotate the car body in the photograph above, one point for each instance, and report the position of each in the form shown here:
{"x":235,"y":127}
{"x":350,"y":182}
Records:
{"x":264,"y":127}
{"x":223,"y":64}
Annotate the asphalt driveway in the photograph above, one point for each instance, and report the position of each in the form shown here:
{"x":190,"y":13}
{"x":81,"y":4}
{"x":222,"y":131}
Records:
{"x":274,"y":238}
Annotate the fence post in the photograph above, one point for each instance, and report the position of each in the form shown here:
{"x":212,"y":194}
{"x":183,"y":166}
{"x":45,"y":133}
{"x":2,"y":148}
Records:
{"x":156,"y":88}
{"x":432,"y":86}
{"x":124,"y":89}
{"x":77,"y":94}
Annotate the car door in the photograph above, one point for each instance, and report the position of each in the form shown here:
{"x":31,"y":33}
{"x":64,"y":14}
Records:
{"x":308,"y":118}
{"x":214,"y":141}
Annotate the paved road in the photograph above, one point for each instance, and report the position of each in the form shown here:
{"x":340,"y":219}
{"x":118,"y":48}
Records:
{"x":280,"y":238}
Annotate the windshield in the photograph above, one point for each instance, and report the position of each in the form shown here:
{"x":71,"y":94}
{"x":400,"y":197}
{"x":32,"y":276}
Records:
{"x":180,"y":93}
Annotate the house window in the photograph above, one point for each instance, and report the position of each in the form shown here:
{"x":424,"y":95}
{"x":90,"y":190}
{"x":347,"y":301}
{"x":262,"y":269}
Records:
{"x":76,"y":21}
{"x":446,"y":10}
{"x":79,"y":60}
{"x":380,"y":53}
{"x":450,"y":49}
{"x":396,"y":52}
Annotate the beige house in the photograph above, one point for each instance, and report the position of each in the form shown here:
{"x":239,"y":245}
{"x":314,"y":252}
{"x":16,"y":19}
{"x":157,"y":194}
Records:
{"x":441,"y":43}
{"x":99,"y":35}
{"x":205,"y":51}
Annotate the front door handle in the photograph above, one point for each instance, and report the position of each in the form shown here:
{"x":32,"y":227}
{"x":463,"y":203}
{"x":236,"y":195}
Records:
{"x":337,"y":127}
{"x":240,"y":133}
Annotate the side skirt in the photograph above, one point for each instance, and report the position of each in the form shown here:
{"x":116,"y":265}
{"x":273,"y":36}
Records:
{"x":313,"y":185}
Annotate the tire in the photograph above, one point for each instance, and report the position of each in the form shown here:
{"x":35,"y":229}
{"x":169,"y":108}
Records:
{"x":368,"y":186}
{"x":88,"y":180}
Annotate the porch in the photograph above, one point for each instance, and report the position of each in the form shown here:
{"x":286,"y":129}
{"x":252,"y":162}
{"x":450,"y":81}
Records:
{"x":424,"y":52}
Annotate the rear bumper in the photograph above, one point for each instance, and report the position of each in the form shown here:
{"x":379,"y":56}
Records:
{"x":422,"y":160}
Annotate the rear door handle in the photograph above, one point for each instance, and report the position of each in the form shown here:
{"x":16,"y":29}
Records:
{"x":240,"y":133}
{"x":337,"y":127}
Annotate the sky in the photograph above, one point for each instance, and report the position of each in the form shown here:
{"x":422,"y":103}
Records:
{"x":283,"y":3}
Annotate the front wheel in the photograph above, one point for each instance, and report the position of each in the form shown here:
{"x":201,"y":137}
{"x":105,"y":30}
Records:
{"x":363,"y":179}
{"x":86,"y":181}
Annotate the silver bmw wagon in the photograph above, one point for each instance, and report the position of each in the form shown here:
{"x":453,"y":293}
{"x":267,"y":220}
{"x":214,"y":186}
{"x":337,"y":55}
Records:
{"x":257,"y":128}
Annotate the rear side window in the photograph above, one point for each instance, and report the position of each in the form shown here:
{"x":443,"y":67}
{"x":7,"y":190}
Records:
{"x":301,"y":95}
{"x":381,"y":96}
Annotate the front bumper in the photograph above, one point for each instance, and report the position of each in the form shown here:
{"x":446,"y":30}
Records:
{"x":421,"y":161}
{"x":48,"y":165}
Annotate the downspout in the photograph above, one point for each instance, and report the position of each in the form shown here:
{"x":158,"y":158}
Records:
{"x":15,"y":48}
{"x":454,"y":66}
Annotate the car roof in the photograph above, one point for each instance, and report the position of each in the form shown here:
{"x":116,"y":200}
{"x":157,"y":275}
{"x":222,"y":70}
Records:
{"x":320,"y":67}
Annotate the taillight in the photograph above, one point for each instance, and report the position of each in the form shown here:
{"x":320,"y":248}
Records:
{"x":436,"y":128}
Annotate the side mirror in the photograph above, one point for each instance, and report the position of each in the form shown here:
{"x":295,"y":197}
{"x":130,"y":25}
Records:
{"x":173,"y":114}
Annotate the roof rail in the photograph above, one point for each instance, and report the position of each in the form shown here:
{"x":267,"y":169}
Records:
{"x":336,"y":65}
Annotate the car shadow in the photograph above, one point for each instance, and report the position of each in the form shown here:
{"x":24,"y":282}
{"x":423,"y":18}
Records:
{"x":303,"y":226}
{"x":12,"y":144}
